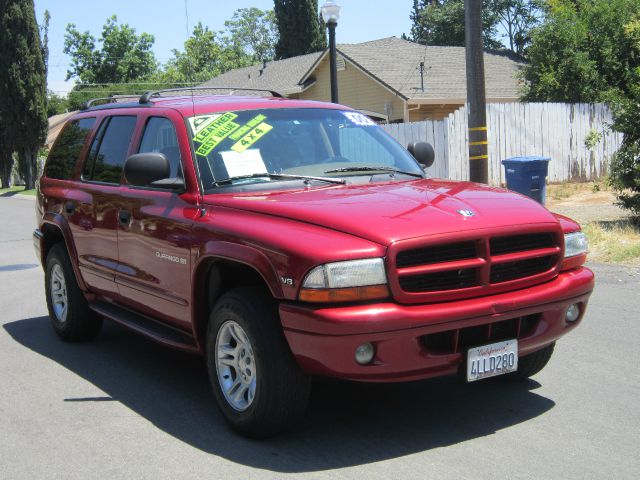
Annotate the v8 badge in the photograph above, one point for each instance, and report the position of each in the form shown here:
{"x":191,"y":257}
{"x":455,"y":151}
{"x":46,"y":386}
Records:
{"x":287,"y":281}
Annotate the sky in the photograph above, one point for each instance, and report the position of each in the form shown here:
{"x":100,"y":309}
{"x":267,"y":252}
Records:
{"x":360,"y":21}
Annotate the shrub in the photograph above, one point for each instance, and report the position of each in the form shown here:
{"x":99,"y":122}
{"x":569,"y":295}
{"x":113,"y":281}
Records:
{"x":625,"y":177}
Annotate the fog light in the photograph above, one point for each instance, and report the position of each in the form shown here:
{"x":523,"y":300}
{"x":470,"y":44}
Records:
{"x":365,"y":353}
{"x":573,"y":312}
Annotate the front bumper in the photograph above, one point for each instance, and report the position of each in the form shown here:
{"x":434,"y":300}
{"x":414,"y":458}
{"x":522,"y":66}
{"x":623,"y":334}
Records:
{"x":323,"y":340}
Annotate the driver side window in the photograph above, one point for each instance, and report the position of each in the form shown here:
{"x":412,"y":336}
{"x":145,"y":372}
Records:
{"x":160,"y":137}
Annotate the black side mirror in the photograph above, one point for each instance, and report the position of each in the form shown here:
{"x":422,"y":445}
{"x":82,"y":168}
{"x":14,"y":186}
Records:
{"x":151,"y":170}
{"x":423,"y":153}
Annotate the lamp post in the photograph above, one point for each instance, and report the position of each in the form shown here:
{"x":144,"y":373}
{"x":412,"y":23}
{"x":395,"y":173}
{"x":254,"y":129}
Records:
{"x":331,"y":15}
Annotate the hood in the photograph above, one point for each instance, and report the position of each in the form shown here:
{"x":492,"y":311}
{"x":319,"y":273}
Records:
{"x":389,"y":212}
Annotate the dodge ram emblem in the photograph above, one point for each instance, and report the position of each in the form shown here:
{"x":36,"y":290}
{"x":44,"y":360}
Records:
{"x":466,"y":213}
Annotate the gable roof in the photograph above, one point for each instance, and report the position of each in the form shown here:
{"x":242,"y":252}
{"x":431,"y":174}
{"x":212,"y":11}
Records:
{"x":283,"y":76}
{"x":395,"y":62}
{"x":392,"y":62}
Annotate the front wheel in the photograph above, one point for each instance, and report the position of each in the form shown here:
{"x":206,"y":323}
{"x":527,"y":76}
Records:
{"x":71,"y":317}
{"x":259,"y":387}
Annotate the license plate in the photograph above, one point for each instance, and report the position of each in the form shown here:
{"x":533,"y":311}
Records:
{"x":491,"y":360}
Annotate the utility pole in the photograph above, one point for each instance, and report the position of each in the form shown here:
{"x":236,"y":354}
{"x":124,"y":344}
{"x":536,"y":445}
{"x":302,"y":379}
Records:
{"x":476,"y":98}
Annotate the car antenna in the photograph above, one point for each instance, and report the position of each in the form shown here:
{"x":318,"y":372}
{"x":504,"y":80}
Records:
{"x":186,"y":17}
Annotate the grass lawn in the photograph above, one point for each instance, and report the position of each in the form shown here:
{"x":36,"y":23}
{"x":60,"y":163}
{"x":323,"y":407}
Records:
{"x":614,"y":241}
{"x":614,"y":237}
{"x":9,"y":192}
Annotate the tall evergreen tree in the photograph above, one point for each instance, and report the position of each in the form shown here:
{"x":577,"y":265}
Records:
{"x":23,"y":112}
{"x":300,"y":30}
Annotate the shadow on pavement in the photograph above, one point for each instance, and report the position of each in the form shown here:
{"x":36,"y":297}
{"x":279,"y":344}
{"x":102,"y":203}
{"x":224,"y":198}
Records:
{"x":10,"y":193}
{"x":347,"y":424}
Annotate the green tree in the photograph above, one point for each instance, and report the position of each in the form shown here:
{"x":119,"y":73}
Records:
{"x":206,"y":54}
{"x":56,"y":104}
{"x":506,"y":23}
{"x":23,"y":119}
{"x":625,"y":168}
{"x":299,"y":29}
{"x":517,"y":19}
{"x":6,"y":162}
{"x":255,"y":32}
{"x":441,"y":22}
{"x":81,"y":93}
{"x":124,"y":55}
{"x":583,"y":52}
{"x":44,"y":32}
{"x":589,"y":51}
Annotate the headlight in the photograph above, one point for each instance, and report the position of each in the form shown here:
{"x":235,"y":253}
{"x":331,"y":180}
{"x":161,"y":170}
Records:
{"x":353,"y":280}
{"x":575,"y":244}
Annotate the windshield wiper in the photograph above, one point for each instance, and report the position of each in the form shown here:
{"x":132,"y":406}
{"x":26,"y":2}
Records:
{"x":306,"y":178}
{"x":374,"y":169}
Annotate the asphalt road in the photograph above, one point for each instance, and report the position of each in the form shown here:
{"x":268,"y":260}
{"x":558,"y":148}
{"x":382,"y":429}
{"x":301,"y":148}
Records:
{"x":123,"y":407}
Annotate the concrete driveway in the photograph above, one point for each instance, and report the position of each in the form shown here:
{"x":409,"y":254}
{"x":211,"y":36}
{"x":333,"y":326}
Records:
{"x":123,"y":407}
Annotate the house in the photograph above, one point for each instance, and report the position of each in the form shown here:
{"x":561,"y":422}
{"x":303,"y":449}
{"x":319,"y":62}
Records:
{"x":384,"y":78}
{"x":56,"y":123}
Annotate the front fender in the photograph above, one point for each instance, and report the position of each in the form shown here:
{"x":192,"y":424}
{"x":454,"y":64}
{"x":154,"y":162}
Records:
{"x":251,"y":257}
{"x":52,"y":220}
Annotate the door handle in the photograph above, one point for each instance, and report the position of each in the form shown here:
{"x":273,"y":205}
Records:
{"x":124,"y":216}
{"x":69,"y":207}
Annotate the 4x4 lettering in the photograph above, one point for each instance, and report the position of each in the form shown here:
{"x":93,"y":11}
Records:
{"x":252,"y":137}
{"x":246,"y":128}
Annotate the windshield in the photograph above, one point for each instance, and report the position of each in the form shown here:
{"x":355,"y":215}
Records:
{"x":273,"y":145}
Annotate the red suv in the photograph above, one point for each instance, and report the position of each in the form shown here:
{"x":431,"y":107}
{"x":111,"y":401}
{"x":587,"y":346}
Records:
{"x":286,"y":239}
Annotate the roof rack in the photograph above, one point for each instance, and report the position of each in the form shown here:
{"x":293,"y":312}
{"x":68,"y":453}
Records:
{"x":110,"y":99}
{"x":145,"y":98}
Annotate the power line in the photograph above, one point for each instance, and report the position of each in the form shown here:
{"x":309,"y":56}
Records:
{"x":411,"y":70}
{"x":108,"y":84}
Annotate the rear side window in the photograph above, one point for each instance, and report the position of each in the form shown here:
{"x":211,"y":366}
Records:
{"x":64,"y":155}
{"x":109,"y":150}
{"x":160,"y":137}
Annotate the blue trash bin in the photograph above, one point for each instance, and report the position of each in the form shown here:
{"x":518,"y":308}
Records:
{"x":528,"y":176}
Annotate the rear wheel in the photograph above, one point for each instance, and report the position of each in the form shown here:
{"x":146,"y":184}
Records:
{"x":258,"y":385}
{"x":531,"y":364}
{"x":71,"y":317}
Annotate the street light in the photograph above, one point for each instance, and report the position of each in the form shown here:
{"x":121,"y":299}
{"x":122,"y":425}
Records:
{"x":331,"y":15}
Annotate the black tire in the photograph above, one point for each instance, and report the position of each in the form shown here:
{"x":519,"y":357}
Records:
{"x":531,"y":364}
{"x":79,"y":323}
{"x":281,"y":388}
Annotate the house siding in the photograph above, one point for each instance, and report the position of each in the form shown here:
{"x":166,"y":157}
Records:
{"x":355,"y":89}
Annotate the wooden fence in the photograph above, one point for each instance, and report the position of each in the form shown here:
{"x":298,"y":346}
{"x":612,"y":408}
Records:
{"x":555,"y":130}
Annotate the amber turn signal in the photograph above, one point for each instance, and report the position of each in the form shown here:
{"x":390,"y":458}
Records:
{"x":353,"y":294}
{"x":573,"y":262}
